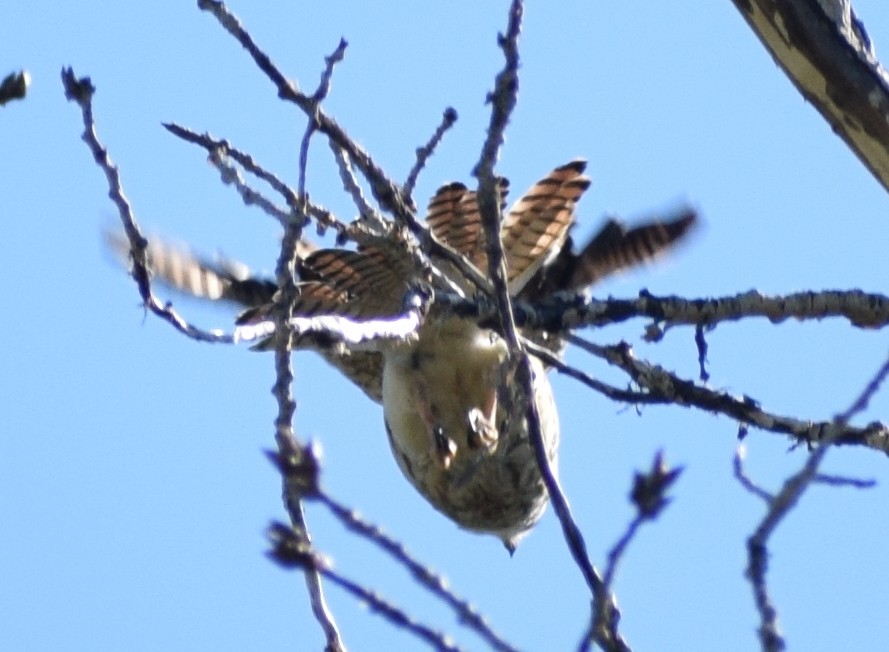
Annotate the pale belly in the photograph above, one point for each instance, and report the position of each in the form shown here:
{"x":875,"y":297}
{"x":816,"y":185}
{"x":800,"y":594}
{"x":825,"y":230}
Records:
{"x":458,"y":432}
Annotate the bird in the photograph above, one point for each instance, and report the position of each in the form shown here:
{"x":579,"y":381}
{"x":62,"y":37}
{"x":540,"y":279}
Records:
{"x":454,"y":417}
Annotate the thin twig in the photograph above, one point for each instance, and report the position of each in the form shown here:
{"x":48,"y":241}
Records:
{"x":292,"y":549}
{"x":230,"y":175}
{"x":393,"y":614}
{"x":503,"y":100}
{"x":552,"y":360}
{"x":562,"y":313}
{"x":781,"y":505}
{"x":387,"y":192}
{"x":350,"y":183}
{"x":840,"y":481}
{"x":81,"y":91}
{"x":215,"y":147}
{"x":448,"y":118}
{"x":671,"y":389}
{"x":649,"y":497}
{"x":437,"y":585}
{"x":319,"y":96}
{"x":745,"y":480}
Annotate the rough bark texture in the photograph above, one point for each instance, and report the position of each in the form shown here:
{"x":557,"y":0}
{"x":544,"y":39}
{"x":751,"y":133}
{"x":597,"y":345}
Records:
{"x":823,"y":47}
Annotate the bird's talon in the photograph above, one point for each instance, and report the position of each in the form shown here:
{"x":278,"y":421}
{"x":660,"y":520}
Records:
{"x":482,"y":431}
{"x":445,"y":447}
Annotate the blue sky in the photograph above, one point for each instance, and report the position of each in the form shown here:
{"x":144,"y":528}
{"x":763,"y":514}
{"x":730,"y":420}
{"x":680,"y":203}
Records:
{"x":133,"y":489}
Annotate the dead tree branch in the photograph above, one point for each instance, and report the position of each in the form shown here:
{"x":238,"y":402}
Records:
{"x":669,"y":388}
{"x":81,"y":91}
{"x":781,"y":504}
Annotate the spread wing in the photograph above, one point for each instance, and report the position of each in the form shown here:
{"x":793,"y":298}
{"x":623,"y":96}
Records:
{"x":367,"y":283}
{"x":360,"y":285}
{"x":186,"y":272}
{"x":350,"y":275}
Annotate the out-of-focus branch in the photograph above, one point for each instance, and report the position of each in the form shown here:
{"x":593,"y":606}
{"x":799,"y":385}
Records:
{"x":781,"y":504}
{"x":649,"y":497}
{"x":301,"y":471}
{"x":14,"y":87}
{"x":292,"y":455}
{"x":437,"y":585}
{"x":292,"y":549}
{"x":282,"y":390}
{"x":825,"y":51}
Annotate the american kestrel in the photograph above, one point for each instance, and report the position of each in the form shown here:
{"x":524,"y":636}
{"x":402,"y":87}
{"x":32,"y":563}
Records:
{"x":454,"y":418}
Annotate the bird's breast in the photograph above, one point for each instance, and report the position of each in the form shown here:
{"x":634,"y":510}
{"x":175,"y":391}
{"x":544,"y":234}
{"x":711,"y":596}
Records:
{"x":457,"y":427}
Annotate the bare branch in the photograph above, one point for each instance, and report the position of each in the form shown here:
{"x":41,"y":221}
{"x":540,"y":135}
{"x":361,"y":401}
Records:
{"x":437,"y":585}
{"x":284,"y":433}
{"x":563,"y":313}
{"x":648,"y":496}
{"x":864,"y":310}
{"x":745,"y":480}
{"x":503,"y":101}
{"x":780,"y":506}
{"x":285,"y":300}
{"x":615,"y":394}
{"x":230,"y":175}
{"x":448,"y":118}
{"x":671,"y":389}
{"x":352,"y":187}
{"x":299,"y":467}
{"x":860,"y":404}
{"x":219,"y":151}
{"x":387,"y":192}
{"x":81,"y":91}
{"x":292,"y":549}
{"x":701,"y":344}
{"x":329,"y":62}
{"x":393,"y":614}
{"x":839,"y":481}
{"x":319,"y":96}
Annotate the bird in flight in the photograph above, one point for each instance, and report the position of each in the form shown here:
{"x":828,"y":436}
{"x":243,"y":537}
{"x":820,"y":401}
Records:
{"x":455,"y":419}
